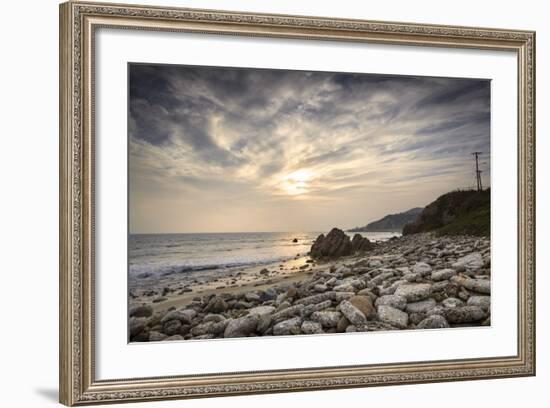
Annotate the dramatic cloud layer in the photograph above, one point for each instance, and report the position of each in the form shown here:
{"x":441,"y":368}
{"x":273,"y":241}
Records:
{"x":225,"y":149}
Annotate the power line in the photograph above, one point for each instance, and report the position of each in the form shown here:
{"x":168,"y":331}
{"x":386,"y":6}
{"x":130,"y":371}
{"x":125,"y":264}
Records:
{"x":478,"y":171}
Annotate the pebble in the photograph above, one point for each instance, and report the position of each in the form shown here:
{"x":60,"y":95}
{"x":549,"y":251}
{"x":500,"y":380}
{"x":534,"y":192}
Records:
{"x":393,"y":316}
{"x":415,"y":282}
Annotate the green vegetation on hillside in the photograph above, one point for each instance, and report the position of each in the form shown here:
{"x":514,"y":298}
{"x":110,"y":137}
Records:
{"x":462,"y":212}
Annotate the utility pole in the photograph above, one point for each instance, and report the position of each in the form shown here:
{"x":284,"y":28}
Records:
{"x":478,"y":171}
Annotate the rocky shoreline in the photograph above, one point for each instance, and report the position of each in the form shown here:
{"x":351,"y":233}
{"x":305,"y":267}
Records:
{"x":418,"y":281}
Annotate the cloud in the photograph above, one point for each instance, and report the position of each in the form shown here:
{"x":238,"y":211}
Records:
{"x":283,"y":139}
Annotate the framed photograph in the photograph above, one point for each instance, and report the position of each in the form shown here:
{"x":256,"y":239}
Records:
{"x":256,"y":203}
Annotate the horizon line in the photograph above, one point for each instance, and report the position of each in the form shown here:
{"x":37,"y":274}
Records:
{"x":246,"y":232}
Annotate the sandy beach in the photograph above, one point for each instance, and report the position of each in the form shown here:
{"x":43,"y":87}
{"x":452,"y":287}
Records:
{"x":241,"y":281}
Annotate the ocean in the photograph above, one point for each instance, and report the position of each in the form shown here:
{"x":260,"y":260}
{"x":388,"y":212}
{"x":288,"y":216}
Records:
{"x":165,"y":254}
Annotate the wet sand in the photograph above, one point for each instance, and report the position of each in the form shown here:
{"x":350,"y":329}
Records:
{"x":238,"y":281}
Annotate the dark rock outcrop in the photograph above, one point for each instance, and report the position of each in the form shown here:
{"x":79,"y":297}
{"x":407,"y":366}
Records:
{"x":335,"y":244}
{"x":360,"y":244}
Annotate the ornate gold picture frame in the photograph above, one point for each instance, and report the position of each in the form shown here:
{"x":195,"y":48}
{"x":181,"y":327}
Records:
{"x":78,"y":24}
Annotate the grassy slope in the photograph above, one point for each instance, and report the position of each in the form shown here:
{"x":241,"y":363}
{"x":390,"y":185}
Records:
{"x":458,"y":212}
{"x":475,"y":222}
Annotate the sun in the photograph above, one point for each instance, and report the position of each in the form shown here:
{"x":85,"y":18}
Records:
{"x":297,"y":182}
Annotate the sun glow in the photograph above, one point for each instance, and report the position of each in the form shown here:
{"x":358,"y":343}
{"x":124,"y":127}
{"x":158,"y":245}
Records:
{"x":297,"y":182}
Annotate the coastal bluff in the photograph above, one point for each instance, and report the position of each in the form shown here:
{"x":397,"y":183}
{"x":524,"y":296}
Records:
{"x":460,"y":212}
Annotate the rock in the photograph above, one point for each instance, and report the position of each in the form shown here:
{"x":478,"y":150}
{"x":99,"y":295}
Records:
{"x":433,"y":322}
{"x":268,"y":294}
{"x":187,"y":315}
{"x":214,"y":328}
{"x":141,"y":311}
{"x":286,"y":327}
{"x":331,"y":282}
{"x":475,"y":285}
{"x":482,"y":301}
{"x":326,"y":318}
{"x":157,"y":336}
{"x":242,"y":305}
{"x":463,"y":294}
{"x":368,"y":293}
{"x":413,"y":277}
{"x":415,"y":318}
{"x":396,"y":301}
{"x":438,"y":310}
{"x":444,"y":289}
{"x":183,"y":316}
{"x":204,"y":337}
{"x":471,"y":261}
{"x":289,"y":311}
{"x":216,"y":318}
{"x":264,"y":272}
{"x":252,"y":297}
{"x":141,"y":336}
{"x":443,"y":274}
{"x":371,"y":326}
{"x":280,"y":299}
{"x":413,"y":292}
{"x":375,"y":263}
{"x":465,"y":314}
{"x":171,"y":327}
{"x":261,"y":310}
{"x":174,"y":337}
{"x":422,"y":306}
{"x":241,"y":327}
{"x":421,"y":268}
{"x":284,"y":305}
{"x":360,"y":243}
{"x":339,"y":296}
{"x":295,"y":240}
{"x":343,"y":270}
{"x":334,"y":245}
{"x":185,"y":329}
{"x":264,"y":323}
{"x":321,"y":297}
{"x":403,"y":270}
{"x":291,"y":292}
{"x":364,"y":304}
{"x":352,"y":313}
{"x":345,"y":287}
{"x":381,"y":278}
{"x":393,"y":316}
{"x":309,"y":327}
{"x":136,"y":325}
{"x":154,"y":320}
{"x":320,"y":288}
{"x":452,"y":302}
{"x":216,"y":305}
{"x":343,"y":323}
{"x":309,"y":309}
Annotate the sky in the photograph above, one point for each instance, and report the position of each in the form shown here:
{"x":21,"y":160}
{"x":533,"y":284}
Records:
{"x":217,"y":149}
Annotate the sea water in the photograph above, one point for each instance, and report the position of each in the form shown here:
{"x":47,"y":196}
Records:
{"x":165,"y":254}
